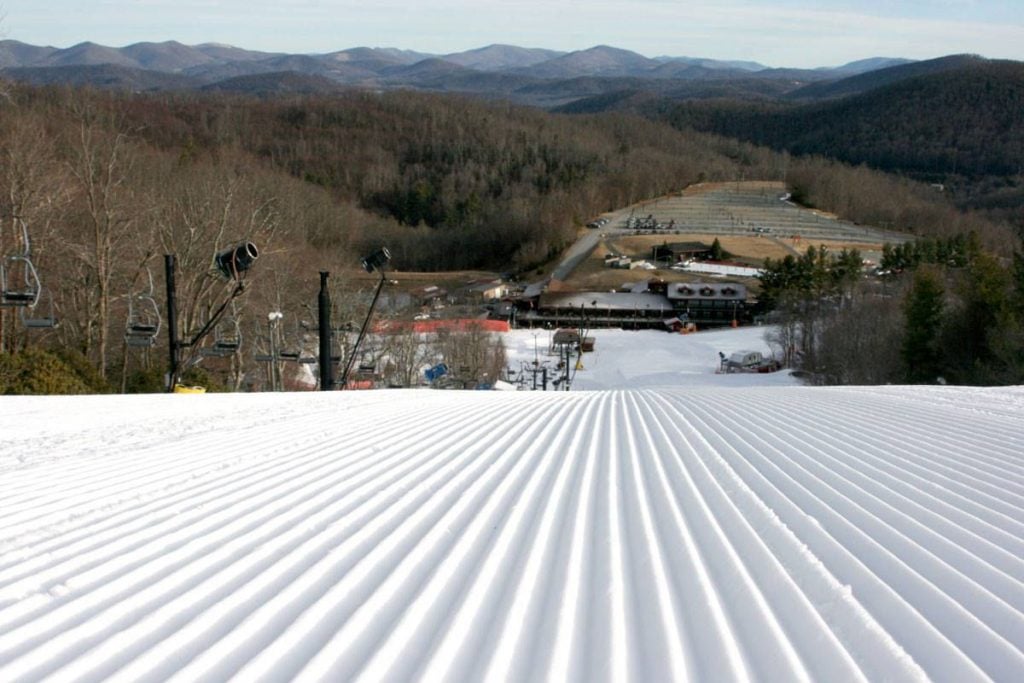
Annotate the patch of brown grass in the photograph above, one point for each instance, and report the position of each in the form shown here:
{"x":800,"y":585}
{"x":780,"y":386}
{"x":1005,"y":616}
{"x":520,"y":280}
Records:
{"x":752,"y":249}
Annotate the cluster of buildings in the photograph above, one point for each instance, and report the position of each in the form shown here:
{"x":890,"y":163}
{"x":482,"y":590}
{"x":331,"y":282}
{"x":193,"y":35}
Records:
{"x":648,"y":304}
{"x":653,"y":304}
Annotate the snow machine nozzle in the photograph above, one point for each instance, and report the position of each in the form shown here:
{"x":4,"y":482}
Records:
{"x":238,"y":259}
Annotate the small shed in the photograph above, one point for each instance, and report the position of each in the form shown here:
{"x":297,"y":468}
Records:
{"x":566,"y":337}
{"x":430,"y":296}
{"x":680,"y":251}
{"x":744,"y":360}
{"x":484,"y":290}
{"x":623,"y":262}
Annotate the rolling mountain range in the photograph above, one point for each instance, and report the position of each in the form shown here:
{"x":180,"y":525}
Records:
{"x":934,"y":120}
{"x":532,"y":76}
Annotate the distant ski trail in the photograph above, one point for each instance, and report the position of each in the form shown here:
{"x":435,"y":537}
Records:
{"x":657,"y":534}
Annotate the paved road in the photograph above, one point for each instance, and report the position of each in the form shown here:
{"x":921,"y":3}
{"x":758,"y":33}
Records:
{"x":576,"y":254}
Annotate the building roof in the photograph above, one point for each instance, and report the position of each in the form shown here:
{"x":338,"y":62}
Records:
{"x":450,"y":325}
{"x":566,"y":336}
{"x":687,"y":246}
{"x":429,"y":291}
{"x":483,"y":285}
{"x":534,"y":289}
{"x":642,"y":301}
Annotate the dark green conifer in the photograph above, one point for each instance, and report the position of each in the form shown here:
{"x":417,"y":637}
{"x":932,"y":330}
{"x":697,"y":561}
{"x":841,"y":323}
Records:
{"x":923,"y":310}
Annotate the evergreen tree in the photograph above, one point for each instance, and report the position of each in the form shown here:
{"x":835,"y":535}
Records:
{"x":1008,"y":345}
{"x":923,"y":312}
{"x":717,"y":253}
{"x":846,"y":270}
{"x":982,"y":319}
{"x":888,"y":260}
{"x":1017,"y":276}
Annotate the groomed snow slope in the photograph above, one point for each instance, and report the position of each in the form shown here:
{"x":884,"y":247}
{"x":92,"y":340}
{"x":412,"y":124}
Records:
{"x":780,"y":533}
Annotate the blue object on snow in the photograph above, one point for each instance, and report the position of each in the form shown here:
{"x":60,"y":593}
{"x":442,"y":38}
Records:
{"x":435,"y":372}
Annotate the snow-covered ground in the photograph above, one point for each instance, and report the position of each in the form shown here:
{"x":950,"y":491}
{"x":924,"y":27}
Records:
{"x":718,"y":269}
{"x":629,"y":359}
{"x":674,"y":526}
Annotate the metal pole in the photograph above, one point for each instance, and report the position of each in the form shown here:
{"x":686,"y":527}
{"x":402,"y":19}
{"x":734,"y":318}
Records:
{"x":272,"y":324}
{"x":324,"y":301}
{"x":362,"y":332}
{"x":172,"y":322}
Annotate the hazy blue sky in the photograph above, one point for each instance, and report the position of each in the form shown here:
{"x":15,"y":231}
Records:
{"x":774,"y":32}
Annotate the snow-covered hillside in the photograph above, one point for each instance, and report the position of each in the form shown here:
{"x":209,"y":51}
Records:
{"x":684,"y":531}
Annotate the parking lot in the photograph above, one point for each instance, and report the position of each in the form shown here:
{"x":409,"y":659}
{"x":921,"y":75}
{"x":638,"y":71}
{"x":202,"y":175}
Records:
{"x":753,"y":208}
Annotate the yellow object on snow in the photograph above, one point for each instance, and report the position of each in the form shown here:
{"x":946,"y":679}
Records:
{"x":182,"y":389}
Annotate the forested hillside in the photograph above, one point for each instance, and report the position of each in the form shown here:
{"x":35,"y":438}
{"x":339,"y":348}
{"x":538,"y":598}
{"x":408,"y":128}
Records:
{"x":457,"y":183}
{"x":105,"y":184}
{"x":962,"y":128}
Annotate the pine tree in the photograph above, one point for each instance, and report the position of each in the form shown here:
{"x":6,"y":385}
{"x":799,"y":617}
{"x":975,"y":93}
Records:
{"x":1017,"y":277}
{"x":987,"y":315}
{"x":923,"y":310}
{"x":717,"y":253}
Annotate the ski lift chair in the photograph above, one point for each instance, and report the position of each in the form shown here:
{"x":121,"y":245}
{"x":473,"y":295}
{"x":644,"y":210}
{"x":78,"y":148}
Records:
{"x":19,"y":282}
{"x":227,"y":338}
{"x":289,"y":350}
{"x":33,"y":318}
{"x":144,"y":322}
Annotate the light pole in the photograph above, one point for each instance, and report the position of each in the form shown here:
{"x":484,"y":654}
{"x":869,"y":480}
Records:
{"x":273,"y":318}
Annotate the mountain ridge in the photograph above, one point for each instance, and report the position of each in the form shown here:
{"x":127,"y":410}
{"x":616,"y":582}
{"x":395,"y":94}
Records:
{"x":497,"y":70}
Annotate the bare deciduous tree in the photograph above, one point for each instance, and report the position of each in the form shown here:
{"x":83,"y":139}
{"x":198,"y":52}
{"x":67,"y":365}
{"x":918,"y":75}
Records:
{"x":206,"y":211}
{"x":33,"y":190}
{"x":105,"y":205}
{"x":474,"y":355}
{"x":406,"y":353}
